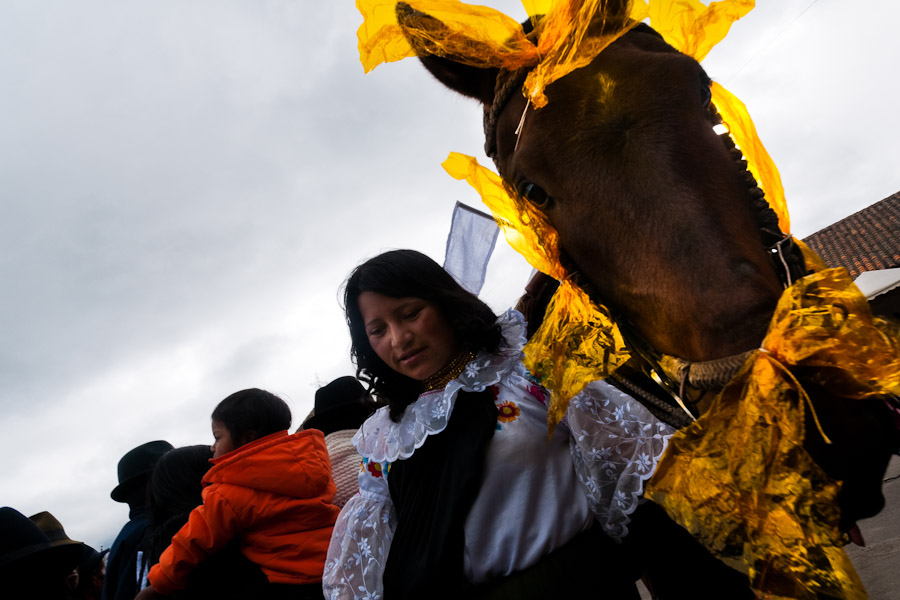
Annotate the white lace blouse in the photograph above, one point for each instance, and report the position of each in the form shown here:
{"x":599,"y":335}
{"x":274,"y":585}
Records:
{"x":537,"y":493}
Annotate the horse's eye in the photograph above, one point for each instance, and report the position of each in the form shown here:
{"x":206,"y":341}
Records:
{"x":535,"y":194}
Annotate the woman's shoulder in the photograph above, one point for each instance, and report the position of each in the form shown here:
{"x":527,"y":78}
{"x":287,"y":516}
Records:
{"x":381,"y":439}
{"x":512,"y":326}
{"x":489,"y":368}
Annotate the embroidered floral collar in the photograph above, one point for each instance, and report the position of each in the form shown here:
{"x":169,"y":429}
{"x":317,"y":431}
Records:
{"x":383,"y":440}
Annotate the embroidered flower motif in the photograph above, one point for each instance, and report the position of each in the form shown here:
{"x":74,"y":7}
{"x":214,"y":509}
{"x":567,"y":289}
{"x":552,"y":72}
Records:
{"x":580,"y":402}
{"x":374,"y":469}
{"x":538,"y":392}
{"x":437,"y":411}
{"x":507,"y":412}
{"x":599,"y":454}
{"x":471,"y":370}
{"x":643,"y":462}
{"x":364,"y":548}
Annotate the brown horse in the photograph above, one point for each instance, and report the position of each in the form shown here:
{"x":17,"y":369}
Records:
{"x":648,"y":202}
{"x":659,"y":219}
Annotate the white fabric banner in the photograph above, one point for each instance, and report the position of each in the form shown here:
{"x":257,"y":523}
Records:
{"x":473,"y":235}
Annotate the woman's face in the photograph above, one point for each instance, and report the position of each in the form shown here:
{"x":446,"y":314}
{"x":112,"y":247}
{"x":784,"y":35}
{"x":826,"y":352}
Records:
{"x":410,"y":335}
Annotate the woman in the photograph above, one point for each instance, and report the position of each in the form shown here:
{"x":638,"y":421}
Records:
{"x":462,"y":494}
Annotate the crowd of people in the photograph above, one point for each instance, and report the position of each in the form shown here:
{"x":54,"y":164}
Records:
{"x":255,"y":524}
{"x":428,"y":475}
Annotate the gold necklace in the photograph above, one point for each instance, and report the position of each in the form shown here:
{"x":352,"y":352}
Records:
{"x":448,"y":372}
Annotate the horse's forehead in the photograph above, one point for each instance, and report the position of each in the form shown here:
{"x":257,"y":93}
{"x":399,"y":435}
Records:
{"x":626,"y":85}
{"x":632,"y":72}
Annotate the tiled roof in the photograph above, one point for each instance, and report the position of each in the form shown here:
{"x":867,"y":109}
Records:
{"x":865,"y":241}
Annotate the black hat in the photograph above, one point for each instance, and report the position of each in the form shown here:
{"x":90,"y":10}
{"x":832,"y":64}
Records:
{"x":136,"y":464}
{"x":342,"y":404}
{"x":24,"y":547}
{"x":90,"y":558}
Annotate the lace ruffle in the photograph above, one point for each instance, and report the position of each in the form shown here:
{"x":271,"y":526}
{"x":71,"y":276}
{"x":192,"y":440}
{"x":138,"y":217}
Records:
{"x":383,"y":440}
{"x":616,"y":444}
{"x":359,"y":548}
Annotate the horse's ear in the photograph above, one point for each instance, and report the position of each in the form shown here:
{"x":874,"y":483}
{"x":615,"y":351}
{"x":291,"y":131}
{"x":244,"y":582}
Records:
{"x":474,"y":82}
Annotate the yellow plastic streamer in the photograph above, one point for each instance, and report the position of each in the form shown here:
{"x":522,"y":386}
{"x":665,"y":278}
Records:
{"x":577,"y":342}
{"x":563,"y":41}
{"x":736,"y":118}
{"x":475,"y":35}
{"x":483,"y":37}
{"x":693,"y":28}
{"x":739,"y":478}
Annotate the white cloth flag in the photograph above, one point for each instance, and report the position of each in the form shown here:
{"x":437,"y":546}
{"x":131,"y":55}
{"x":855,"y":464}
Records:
{"x":473,"y":235}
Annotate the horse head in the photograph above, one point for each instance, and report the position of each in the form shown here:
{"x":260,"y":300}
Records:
{"x":653,"y":210}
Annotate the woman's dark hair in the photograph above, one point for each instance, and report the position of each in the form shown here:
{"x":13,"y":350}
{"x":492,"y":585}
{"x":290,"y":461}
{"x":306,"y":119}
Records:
{"x":411,"y":274}
{"x":252,"y":411}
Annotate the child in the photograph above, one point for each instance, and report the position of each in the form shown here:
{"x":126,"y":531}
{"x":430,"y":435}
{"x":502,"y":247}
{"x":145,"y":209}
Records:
{"x":271,"y":490}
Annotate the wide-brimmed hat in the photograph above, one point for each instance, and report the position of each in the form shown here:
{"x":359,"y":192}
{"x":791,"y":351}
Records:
{"x":52,"y":528}
{"x":24,"y":548}
{"x":135,"y":465}
{"x":339,"y":405}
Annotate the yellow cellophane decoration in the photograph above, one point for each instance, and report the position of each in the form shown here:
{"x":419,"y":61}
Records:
{"x":578,"y":342}
{"x":694,"y":28}
{"x":736,"y":118}
{"x":738,"y":478}
{"x":499,"y":39}
{"x":483,"y":37}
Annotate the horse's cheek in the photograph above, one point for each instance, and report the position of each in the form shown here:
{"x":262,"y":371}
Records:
{"x":577,"y":234}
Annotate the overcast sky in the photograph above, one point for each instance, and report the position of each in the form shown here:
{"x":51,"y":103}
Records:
{"x":185,"y":185}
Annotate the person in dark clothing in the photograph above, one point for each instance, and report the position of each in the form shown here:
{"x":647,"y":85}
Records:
{"x":56,"y":533}
{"x":91,"y":573}
{"x":340,"y":408}
{"x":122,"y":569}
{"x":31,"y":566}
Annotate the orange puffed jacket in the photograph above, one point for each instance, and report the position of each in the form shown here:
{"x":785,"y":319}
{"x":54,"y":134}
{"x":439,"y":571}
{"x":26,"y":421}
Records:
{"x":275,"y":495}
